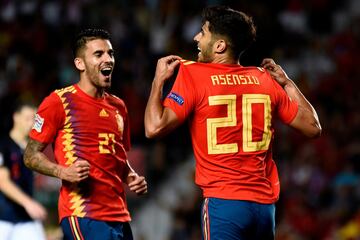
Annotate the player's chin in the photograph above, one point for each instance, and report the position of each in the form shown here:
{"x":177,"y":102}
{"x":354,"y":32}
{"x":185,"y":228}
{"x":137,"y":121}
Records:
{"x":199,"y":57}
{"x":201,"y":60}
{"x":106,"y":83}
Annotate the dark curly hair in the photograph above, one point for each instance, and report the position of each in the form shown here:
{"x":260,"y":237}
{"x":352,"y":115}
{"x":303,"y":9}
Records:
{"x":236,"y":27}
{"x":87,"y":35}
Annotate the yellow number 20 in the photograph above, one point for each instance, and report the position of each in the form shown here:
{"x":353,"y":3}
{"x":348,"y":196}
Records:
{"x":230,"y":121}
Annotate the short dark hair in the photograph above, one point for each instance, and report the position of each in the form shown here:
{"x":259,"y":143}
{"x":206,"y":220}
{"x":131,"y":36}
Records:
{"x":87,"y":35}
{"x":18,"y":105}
{"x":237,"y":27}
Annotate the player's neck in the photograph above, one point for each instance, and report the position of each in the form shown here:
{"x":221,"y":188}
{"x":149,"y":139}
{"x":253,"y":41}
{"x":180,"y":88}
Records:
{"x":222,"y":59}
{"x":18,"y":138}
{"x":91,"y":90}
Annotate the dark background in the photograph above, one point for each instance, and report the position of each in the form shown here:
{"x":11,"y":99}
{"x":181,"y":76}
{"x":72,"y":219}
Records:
{"x":316,"y":42}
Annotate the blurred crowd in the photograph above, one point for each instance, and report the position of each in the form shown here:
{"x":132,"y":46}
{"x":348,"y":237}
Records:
{"x":316,"y":41}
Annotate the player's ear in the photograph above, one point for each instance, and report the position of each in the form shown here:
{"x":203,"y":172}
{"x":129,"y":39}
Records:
{"x":79,"y":64}
{"x":220,"y":46}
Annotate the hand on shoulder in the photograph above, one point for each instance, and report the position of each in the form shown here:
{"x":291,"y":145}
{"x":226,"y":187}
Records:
{"x":275,"y":71}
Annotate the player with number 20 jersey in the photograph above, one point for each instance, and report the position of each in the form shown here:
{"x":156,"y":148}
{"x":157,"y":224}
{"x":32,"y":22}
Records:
{"x":231,"y":109}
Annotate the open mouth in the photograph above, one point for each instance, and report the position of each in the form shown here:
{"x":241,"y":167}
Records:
{"x":199,"y":51}
{"x":106,"y":71}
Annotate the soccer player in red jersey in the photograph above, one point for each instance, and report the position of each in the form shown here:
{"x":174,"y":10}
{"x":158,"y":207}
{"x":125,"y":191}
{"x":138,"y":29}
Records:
{"x":230,"y":110}
{"x":89,"y":131}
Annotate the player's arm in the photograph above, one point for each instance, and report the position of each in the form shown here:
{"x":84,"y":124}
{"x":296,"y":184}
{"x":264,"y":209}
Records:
{"x":35,"y":159}
{"x":306,"y":119}
{"x":159,"y":120}
{"x":13,"y":192}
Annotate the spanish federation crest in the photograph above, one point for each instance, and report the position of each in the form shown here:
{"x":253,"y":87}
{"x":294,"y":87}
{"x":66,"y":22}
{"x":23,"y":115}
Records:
{"x":120,"y":122}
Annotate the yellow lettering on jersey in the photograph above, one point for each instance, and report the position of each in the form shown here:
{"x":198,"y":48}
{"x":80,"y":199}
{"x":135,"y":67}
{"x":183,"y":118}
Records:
{"x":234,"y":79}
{"x":243,"y":79}
{"x":229,"y":79}
{"x":255,"y":79}
{"x":249,"y":80}
{"x":215,"y":79}
{"x":222,"y":79}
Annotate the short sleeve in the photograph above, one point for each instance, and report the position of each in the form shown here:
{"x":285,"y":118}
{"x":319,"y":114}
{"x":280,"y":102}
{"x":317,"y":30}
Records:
{"x":287,"y":108}
{"x":48,"y":119}
{"x":181,"y":98}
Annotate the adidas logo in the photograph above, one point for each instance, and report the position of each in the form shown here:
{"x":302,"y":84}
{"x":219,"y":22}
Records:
{"x":103,"y":113}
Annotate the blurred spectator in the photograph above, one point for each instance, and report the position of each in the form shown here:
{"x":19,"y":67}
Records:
{"x":20,"y":213}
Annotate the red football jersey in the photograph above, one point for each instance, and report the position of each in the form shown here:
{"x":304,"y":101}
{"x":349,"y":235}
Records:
{"x":96,"y":130}
{"x":230,"y":110}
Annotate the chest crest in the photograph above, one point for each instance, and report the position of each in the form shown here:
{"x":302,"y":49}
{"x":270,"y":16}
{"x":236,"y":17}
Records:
{"x":120,"y":122}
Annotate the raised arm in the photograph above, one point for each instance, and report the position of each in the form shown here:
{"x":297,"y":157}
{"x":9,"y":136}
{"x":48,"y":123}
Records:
{"x":306,"y":120}
{"x":35,"y":159}
{"x":159,"y":120}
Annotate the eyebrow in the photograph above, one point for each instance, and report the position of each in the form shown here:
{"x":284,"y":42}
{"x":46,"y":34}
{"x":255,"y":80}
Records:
{"x":102,"y":51}
{"x":96,"y":52}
